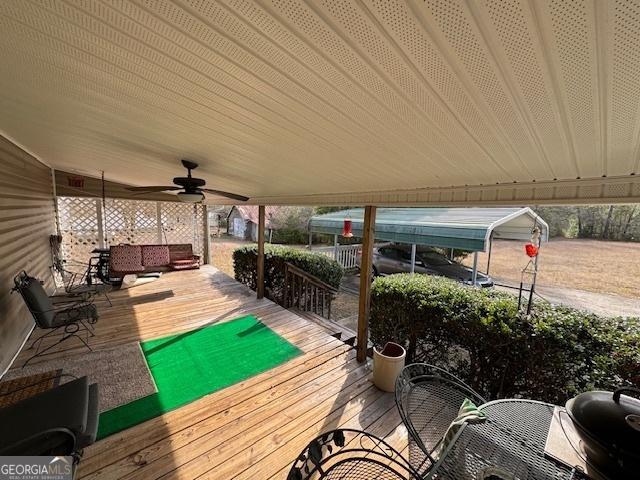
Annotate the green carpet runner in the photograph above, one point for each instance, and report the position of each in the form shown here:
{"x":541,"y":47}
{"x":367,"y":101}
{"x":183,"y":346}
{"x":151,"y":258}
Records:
{"x":190,"y":365}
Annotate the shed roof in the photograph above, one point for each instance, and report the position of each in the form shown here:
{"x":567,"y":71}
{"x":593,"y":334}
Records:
{"x":250,"y":213}
{"x":462,"y":228}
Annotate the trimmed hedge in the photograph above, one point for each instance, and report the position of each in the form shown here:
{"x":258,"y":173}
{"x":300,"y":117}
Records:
{"x":479,"y":335}
{"x":245,"y":267}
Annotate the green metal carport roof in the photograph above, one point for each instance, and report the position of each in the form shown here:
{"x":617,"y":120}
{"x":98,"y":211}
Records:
{"x":461,"y":228}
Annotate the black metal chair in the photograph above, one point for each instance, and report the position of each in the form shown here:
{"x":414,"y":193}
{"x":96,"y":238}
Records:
{"x":82,"y":285}
{"x":60,"y":421}
{"x":69,"y":320}
{"x":429,"y":399}
{"x":347,"y":454}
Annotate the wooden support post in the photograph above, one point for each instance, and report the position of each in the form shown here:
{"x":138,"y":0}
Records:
{"x":335,"y":247}
{"x":260,"y":265}
{"x":368,"y":229}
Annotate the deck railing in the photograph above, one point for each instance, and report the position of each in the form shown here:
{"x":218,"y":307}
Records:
{"x":345,"y":255}
{"x":306,"y":292}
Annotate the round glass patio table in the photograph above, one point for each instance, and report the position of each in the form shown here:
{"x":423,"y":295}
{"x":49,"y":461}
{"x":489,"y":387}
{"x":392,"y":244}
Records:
{"x":511,"y":441}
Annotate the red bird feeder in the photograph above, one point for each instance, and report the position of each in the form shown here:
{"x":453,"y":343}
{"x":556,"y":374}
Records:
{"x":346,"y":229}
{"x":531,"y":250}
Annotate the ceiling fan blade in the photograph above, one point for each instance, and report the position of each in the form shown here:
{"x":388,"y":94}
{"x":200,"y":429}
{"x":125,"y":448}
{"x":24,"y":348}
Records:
{"x":234,"y":196}
{"x":153,"y":188}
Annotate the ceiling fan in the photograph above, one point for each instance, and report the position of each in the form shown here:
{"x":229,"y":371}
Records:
{"x":192,"y":191}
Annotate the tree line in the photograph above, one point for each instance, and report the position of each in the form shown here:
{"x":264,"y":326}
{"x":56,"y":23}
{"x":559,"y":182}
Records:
{"x":604,"y":222}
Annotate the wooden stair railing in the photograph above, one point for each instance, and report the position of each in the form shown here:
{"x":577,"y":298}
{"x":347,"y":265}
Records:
{"x":306,"y":292}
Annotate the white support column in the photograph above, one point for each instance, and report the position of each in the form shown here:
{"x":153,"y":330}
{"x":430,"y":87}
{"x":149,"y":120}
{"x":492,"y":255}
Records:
{"x":335,"y":247}
{"x":100,"y":218}
{"x":489,"y":255}
{"x":474,"y":275}
{"x":55,"y":200}
{"x":413,"y":258}
{"x":159,"y":221}
{"x":207,"y":236}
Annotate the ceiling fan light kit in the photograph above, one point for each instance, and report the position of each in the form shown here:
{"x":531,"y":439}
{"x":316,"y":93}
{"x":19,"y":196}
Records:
{"x":191,"y":197}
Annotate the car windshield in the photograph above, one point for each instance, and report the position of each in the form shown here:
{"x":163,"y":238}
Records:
{"x":435,"y":259}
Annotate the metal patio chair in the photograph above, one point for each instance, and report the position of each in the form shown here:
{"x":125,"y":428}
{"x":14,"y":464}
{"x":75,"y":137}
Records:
{"x":69,"y":320}
{"x":429,"y":399}
{"x":347,"y":454}
{"x":81,"y":285}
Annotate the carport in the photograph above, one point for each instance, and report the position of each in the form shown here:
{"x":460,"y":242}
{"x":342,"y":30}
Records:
{"x":471,"y":229}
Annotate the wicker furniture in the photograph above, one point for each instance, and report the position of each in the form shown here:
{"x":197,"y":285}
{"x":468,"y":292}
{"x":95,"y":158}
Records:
{"x":512,"y":441}
{"x":18,"y":389}
{"x":428,"y":399}
{"x":351,"y":455}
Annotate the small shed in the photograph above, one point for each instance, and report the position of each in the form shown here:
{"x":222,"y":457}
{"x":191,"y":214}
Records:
{"x":242,"y":221}
{"x":470,"y":229}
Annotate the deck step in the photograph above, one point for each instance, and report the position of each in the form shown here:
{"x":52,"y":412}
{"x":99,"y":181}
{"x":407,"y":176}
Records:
{"x":334,"y":329}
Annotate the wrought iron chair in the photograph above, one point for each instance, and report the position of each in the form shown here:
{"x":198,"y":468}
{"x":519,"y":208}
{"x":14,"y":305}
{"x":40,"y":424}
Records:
{"x":351,"y":455}
{"x":71,"y":319}
{"x":428,"y":399}
{"x":81,"y":285}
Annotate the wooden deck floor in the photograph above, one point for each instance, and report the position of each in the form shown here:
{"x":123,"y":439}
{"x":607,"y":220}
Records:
{"x":251,"y":430}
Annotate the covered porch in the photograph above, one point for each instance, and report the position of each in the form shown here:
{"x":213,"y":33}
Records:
{"x":253,"y":429}
{"x":370,"y":104}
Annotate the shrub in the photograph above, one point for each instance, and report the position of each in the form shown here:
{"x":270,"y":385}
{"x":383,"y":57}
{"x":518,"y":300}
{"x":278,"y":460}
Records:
{"x":290,"y":224}
{"x":289,"y":236}
{"x":480,"y":336}
{"x":245,"y":267}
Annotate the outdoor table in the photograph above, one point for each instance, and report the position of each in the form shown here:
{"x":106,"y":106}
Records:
{"x":512,"y":440}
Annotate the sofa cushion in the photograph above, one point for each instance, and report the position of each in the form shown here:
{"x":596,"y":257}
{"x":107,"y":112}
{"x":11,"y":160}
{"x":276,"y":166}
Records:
{"x":155,"y":255}
{"x":185,"y":264}
{"x":180,"y":251}
{"x":126,"y":259}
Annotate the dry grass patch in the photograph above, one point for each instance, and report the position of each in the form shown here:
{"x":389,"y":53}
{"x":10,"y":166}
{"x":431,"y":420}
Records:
{"x":591,"y":265}
{"x":222,"y":252}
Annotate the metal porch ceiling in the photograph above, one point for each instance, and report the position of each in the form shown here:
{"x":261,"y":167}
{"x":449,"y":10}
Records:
{"x":331,"y":101}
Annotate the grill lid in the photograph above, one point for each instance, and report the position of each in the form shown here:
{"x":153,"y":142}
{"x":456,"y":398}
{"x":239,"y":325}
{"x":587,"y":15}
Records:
{"x":613,"y":419}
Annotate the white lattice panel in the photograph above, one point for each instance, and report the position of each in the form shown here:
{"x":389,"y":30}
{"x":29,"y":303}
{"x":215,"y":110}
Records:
{"x":182,"y":223}
{"x":131,"y":221}
{"x":127,"y":221}
{"x":79,"y":228}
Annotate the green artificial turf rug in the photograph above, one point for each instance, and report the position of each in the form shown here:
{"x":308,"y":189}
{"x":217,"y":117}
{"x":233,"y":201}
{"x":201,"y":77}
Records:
{"x":190,"y":365}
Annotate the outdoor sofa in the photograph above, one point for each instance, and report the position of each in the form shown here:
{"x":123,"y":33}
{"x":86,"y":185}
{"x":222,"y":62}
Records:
{"x":138,"y":259}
